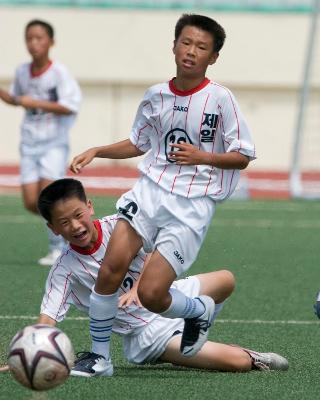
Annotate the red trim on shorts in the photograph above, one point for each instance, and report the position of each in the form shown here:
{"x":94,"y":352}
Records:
{"x":95,"y":247}
{"x":196,"y":89}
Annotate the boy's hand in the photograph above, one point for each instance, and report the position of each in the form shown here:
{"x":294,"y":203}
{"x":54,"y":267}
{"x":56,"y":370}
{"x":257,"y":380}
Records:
{"x":4,"y":368}
{"x":130,"y":297}
{"x":82,"y":160}
{"x":186,"y":154}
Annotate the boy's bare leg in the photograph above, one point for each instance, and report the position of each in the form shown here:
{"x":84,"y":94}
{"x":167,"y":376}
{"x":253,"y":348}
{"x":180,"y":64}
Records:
{"x":155,"y":282}
{"x":30,"y":193}
{"x":218,"y":356}
{"x":217,"y":284}
{"x":156,"y":295}
{"x":212,"y":356}
{"x":123,"y":246}
{"x":158,"y":276}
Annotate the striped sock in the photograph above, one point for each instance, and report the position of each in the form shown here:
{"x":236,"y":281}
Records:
{"x":103,"y":309}
{"x":182,"y":306}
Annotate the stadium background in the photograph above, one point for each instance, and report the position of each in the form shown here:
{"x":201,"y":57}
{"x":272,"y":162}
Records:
{"x":116,"y":49}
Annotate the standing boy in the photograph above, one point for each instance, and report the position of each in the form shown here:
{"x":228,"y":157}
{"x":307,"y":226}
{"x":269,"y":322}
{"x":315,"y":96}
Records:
{"x":147,"y":337}
{"x":196,"y":141}
{"x":51,"y":98}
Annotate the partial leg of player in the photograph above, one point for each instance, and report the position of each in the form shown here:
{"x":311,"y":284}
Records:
{"x":223,"y":357}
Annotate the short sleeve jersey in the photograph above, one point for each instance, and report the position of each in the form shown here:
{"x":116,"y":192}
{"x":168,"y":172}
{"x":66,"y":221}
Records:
{"x":41,"y":128}
{"x":207,"y":117}
{"x":72,"y":277}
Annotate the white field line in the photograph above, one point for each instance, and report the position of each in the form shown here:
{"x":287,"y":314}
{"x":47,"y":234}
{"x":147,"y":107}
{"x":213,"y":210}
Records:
{"x":221,"y":321}
{"x":232,"y":222}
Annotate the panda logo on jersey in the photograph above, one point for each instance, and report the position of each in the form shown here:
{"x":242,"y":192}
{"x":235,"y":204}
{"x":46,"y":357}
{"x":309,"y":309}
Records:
{"x":175,"y":136}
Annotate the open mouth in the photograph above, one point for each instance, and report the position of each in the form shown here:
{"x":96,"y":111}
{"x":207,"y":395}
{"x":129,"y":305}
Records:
{"x":188,"y":63}
{"x":81,"y":235}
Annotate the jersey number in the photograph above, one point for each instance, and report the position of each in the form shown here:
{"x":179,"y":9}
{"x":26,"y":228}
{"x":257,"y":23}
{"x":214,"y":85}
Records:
{"x":127,"y":283}
{"x":129,"y":210}
{"x":175,"y":136}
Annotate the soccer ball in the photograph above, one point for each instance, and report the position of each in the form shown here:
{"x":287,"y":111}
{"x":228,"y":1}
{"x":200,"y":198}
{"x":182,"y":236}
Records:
{"x":40,"y":357}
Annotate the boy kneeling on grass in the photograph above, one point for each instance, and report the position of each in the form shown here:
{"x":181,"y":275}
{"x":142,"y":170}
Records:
{"x":147,"y":337}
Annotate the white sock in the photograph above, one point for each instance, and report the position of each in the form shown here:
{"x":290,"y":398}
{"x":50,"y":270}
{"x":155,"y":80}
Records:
{"x":182,"y":306}
{"x":217,"y":310}
{"x":55,"y":242}
{"x":102,"y":311}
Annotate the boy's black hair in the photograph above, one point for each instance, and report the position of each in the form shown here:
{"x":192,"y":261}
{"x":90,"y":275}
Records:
{"x":61,"y":189}
{"x":48,"y":27}
{"x":206,"y":24}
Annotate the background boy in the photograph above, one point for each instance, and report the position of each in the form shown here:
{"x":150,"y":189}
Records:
{"x":196,"y":141}
{"x":147,"y":337}
{"x":51,"y":98}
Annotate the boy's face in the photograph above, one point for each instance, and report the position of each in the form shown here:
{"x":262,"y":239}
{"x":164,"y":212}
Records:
{"x":194,"y":52}
{"x":71,"y":218}
{"x":38,"y":42}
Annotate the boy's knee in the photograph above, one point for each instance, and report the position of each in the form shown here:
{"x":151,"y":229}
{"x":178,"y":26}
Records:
{"x":109,"y":275}
{"x":226,"y":285}
{"x":152,"y":298}
{"x":230,"y":280}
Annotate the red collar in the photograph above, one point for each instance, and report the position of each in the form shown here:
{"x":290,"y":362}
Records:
{"x":96,"y":245}
{"x":42,"y":71}
{"x":178,"y":92}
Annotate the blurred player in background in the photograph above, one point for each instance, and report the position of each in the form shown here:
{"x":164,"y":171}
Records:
{"x":51,"y":98}
{"x":147,"y":337}
{"x":196,"y":141}
{"x":316,"y":306}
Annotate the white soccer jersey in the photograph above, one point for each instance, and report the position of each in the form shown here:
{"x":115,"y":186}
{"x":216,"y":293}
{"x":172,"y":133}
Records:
{"x":39,"y":128}
{"x":74,"y":274}
{"x":208,"y":117}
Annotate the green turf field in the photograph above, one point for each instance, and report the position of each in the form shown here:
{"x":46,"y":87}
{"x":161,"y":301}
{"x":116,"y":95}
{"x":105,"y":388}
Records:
{"x":272,"y":247}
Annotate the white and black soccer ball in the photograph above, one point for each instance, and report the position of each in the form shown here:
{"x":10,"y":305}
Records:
{"x":40,"y":357}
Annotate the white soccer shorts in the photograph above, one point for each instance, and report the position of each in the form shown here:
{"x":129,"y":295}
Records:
{"x":147,"y":345}
{"x":174,"y":225}
{"x":50,"y":164}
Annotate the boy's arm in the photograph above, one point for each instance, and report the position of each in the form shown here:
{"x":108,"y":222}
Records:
{"x":46,"y":320}
{"x":30,"y":102}
{"x":48,"y":106}
{"x":8,"y":98}
{"x":187,"y":154}
{"x":119,"y":150}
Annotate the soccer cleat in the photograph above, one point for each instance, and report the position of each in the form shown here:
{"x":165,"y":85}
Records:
{"x":50,"y":258}
{"x":91,"y":364}
{"x":196,"y":330}
{"x":268,"y":361}
{"x":316,"y":306}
